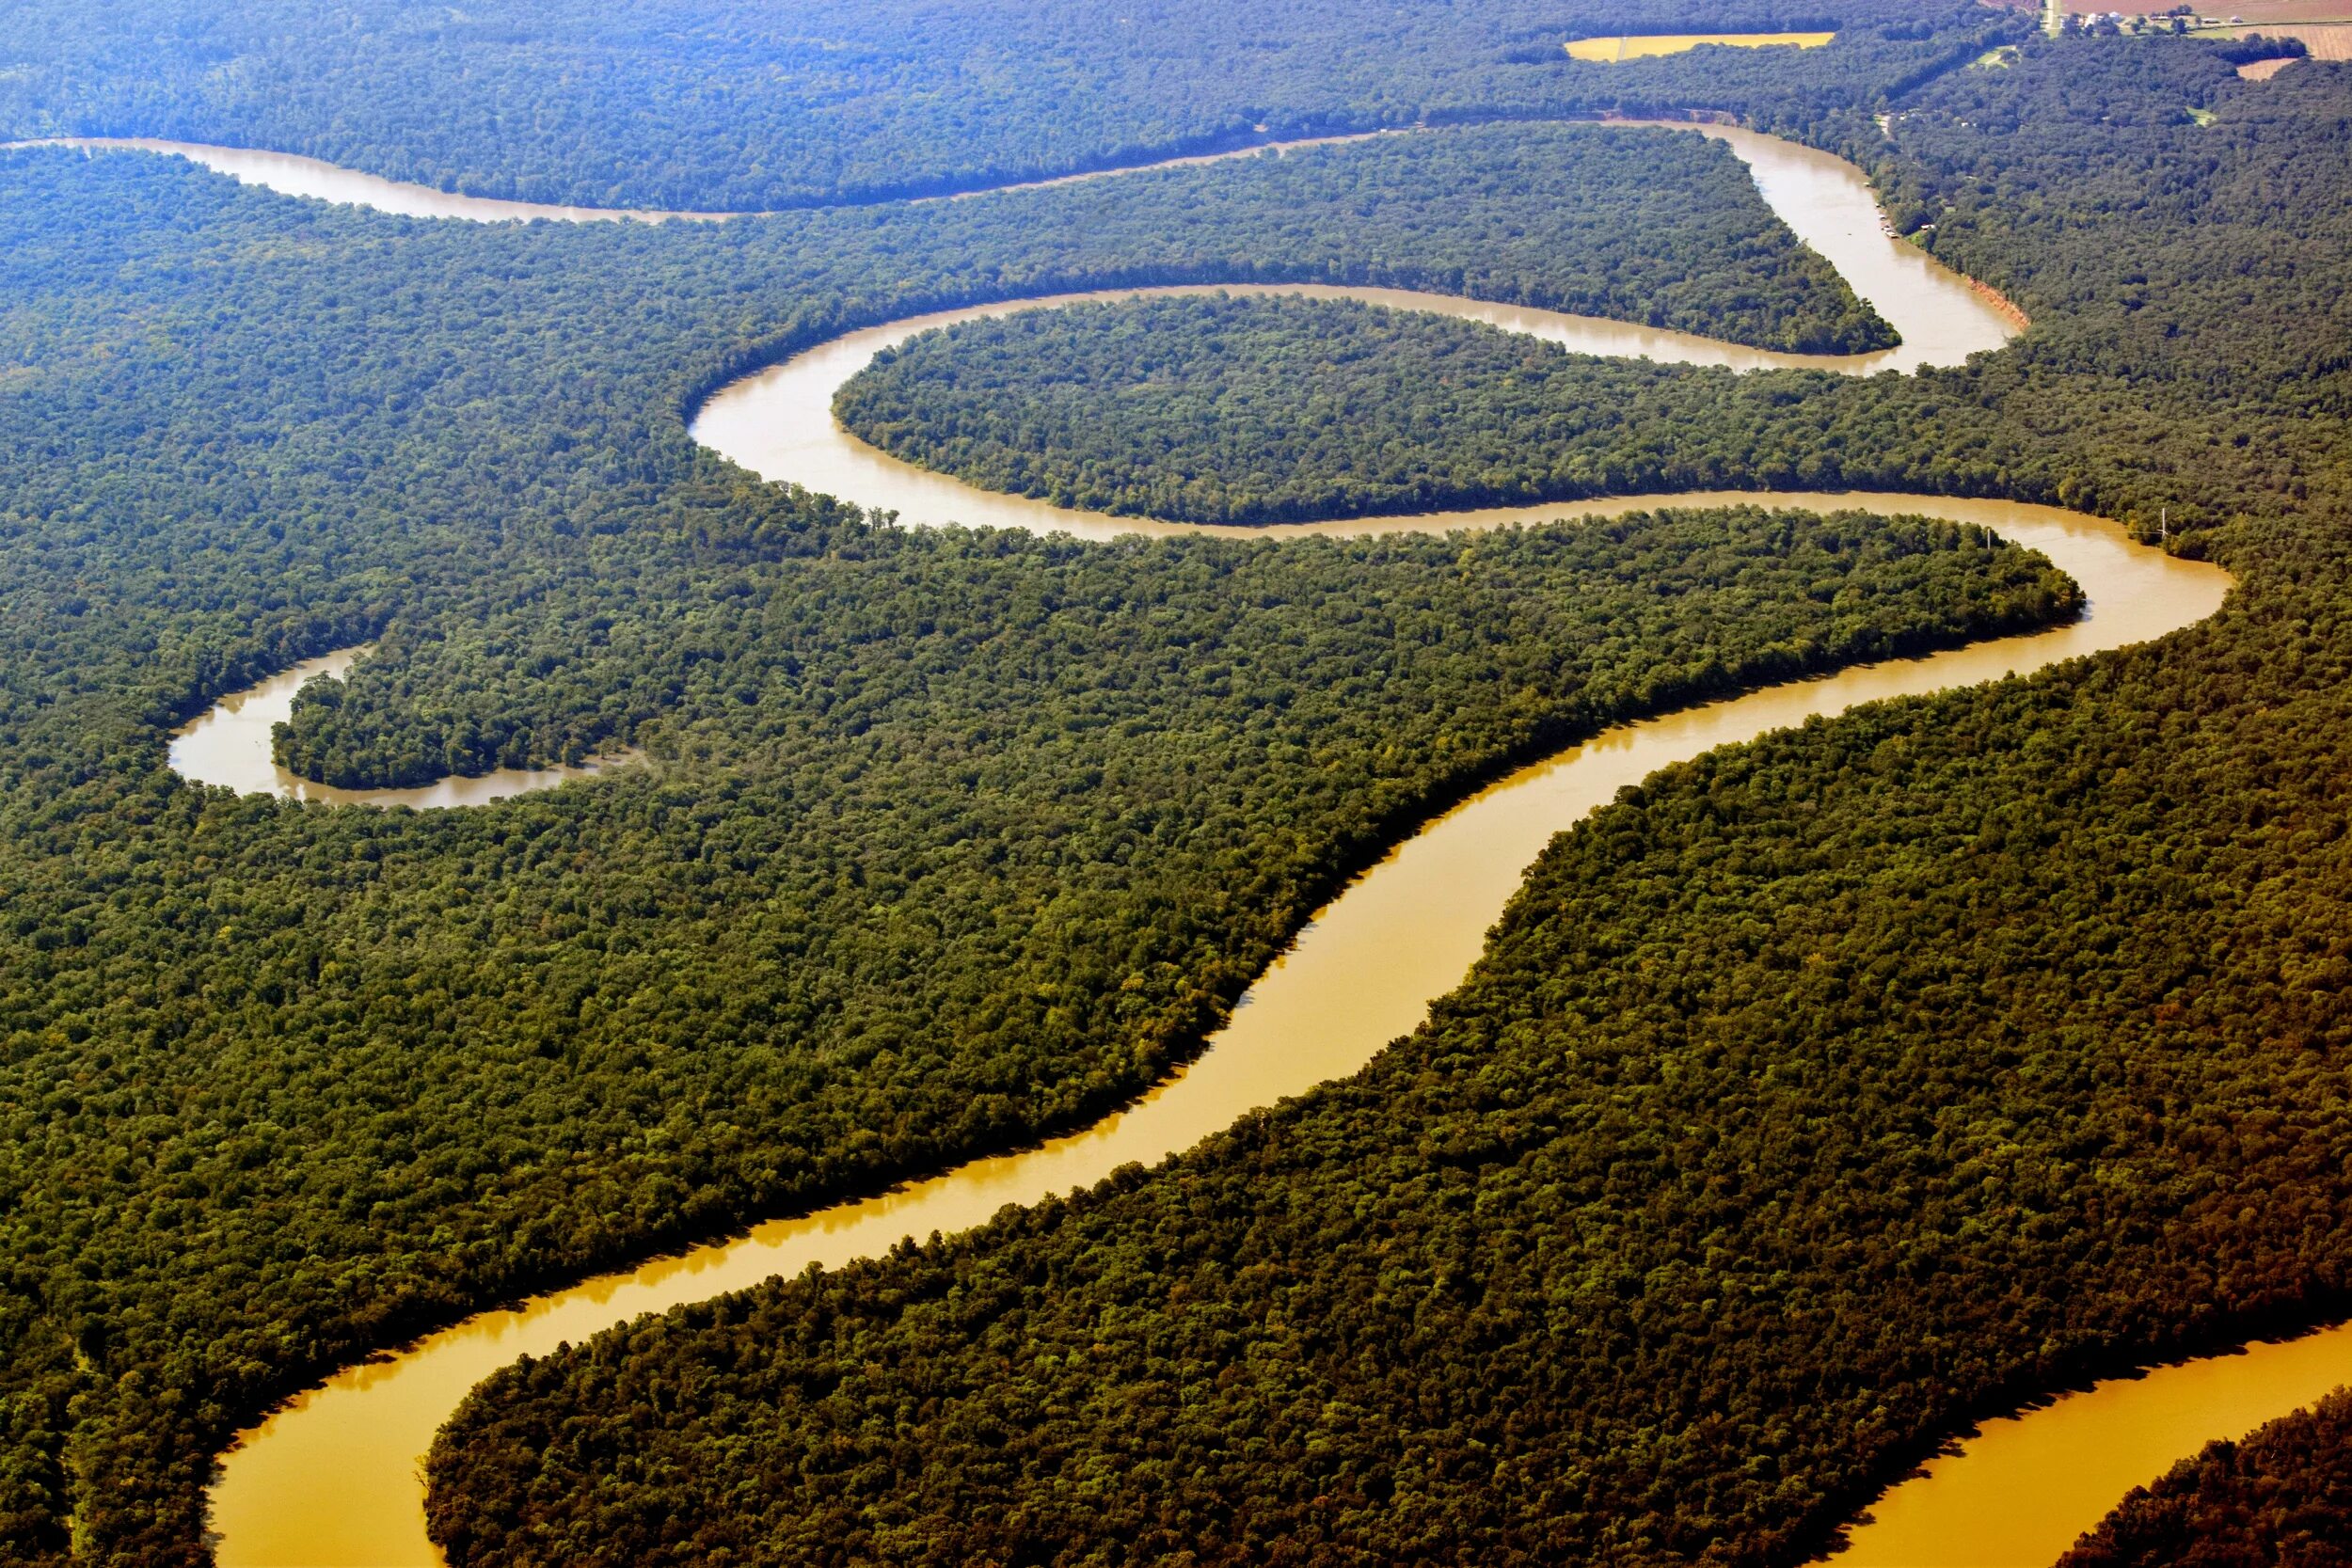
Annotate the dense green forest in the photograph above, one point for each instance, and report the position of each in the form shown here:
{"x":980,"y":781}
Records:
{"x":1531,"y":214}
{"x":1272,"y":410}
{"x":1813,"y":1098}
{"x":852,"y":648}
{"x":947,"y":840}
{"x":278,"y":1085}
{"x":1256,"y":411}
{"x":740,"y":106}
{"x":2282,"y":1499}
{"x":1813,"y":1094}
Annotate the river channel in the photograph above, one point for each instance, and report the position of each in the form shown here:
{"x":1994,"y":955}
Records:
{"x":229,"y":745}
{"x":330,"y":1480}
{"x":289,"y":174}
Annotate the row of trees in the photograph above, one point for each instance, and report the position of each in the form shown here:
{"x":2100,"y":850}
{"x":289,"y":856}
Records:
{"x":1813,"y":1098}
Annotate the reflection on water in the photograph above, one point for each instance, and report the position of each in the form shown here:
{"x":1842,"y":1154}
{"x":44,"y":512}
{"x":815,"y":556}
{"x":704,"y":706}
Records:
{"x":229,"y":746}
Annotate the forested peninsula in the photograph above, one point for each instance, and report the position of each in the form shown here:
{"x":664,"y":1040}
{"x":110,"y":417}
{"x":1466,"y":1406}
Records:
{"x":1813,"y":1098}
{"x":1267,"y":410}
{"x":1262,"y":411}
{"x":945,"y":840}
{"x":2282,"y":1499}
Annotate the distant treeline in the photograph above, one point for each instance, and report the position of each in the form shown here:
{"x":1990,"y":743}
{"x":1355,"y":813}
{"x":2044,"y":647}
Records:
{"x":746,"y":104}
{"x":1814,"y":1097}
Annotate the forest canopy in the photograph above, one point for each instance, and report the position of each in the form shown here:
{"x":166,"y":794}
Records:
{"x":1813,"y":1098}
{"x":1273,"y":410}
{"x":947,"y":840}
{"x":279,"y":1087}
{"x":753,"y":104}
{"x":2279,"y":1498}
{"x":2147,"y":389}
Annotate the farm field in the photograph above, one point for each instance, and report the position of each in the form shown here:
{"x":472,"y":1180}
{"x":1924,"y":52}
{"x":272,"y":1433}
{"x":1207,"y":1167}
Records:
{"x":1648,"y":46}
{"x":2332,"y":41}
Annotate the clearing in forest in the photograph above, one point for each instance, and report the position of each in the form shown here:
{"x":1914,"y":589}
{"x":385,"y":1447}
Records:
{"x":1642,"y":46}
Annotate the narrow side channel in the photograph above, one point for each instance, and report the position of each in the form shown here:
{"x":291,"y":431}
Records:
{"x":229,"y":745}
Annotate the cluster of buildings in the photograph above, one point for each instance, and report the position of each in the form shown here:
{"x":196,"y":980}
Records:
{"x":2178,"y":19}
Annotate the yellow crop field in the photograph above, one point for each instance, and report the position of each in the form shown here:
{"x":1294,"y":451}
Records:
{"x":2325,"y":40}
{"x":1642,"y":46}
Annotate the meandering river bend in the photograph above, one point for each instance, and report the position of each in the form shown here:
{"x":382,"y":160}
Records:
{"x":289,"y":174}
{"x":230,"y":746}
{"x":330,"y":1480}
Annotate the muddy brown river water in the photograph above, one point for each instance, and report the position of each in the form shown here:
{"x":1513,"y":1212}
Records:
{"x":291,"y":175}
{"x":229,"y":745}
{"x":330,"y":1480}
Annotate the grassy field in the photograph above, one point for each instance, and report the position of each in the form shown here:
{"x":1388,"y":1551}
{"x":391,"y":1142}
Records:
{"x":1645,"y":46}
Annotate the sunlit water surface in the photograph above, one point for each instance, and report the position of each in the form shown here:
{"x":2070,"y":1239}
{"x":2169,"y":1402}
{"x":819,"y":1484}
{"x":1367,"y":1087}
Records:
{"x":229,"y":745}
{"x":330,"y":1480}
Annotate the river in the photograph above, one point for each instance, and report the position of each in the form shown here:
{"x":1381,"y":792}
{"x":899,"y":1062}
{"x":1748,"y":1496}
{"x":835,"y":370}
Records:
{"x":2024,"y":1488}
{"x":330,"y":1479}
{"x":778,"y":423}
{"x":289,"y":174}
{"x":229,"y":745}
